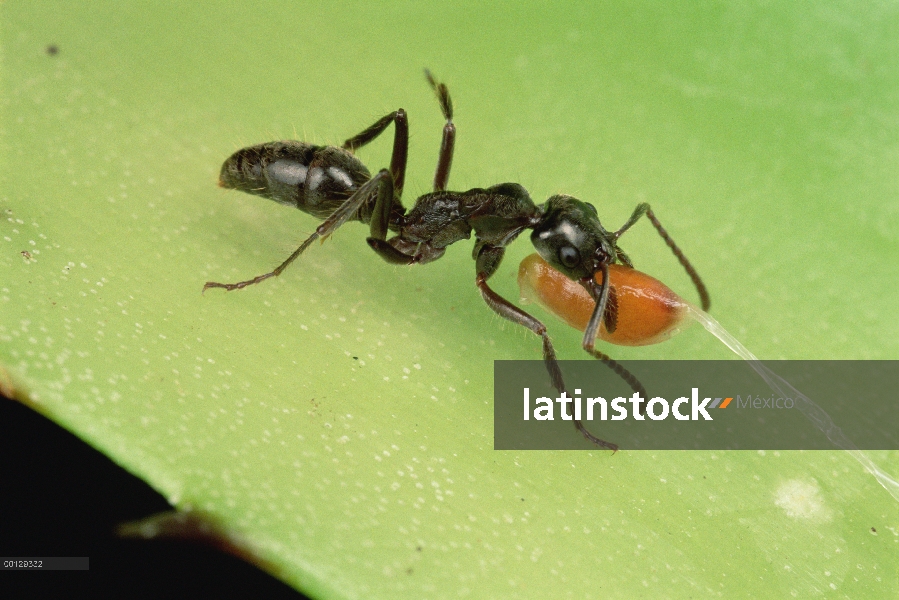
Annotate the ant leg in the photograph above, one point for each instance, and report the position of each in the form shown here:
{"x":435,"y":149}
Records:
{"x":400,"y":146}
{"x":643,"y":208}
{"x":487,"y":262}
{"x":389,"y":253}
{"x":340,"y":216}
{"x":445,"y":159}
{"x":610,"y":318}
{"x":380,"y":219}
{"x":600,"y":294}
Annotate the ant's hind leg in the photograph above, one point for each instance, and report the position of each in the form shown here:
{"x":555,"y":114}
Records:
{"x":400,"y":146}
{"x":445,"y":159}
{"x":380,"y":220}
{"x":242,"y":284}
{"x":345,"y":212}
{"x":488,"y":260}
{"x":644,"y":208}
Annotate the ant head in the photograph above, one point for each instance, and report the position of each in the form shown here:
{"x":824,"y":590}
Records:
{"x":570,"y":237}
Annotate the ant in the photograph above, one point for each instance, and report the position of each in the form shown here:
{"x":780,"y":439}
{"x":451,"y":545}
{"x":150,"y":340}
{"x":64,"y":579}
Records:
{"x":330,"y":183}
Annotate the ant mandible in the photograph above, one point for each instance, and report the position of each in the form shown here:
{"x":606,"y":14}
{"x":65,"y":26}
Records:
{"x":330,"y":183}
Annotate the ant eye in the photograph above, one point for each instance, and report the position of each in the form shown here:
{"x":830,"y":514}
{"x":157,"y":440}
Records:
{"x":569,"y":256}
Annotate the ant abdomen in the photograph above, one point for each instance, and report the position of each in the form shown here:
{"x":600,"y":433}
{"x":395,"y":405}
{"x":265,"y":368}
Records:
{"x":315,"y":179}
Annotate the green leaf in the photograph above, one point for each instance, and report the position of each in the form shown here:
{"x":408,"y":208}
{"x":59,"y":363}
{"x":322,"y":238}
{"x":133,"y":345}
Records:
{"x":338,"y":420}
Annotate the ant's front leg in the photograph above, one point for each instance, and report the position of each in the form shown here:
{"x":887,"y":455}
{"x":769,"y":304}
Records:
{"x":601,"y":294}
{"x":488,"y":260}
{"x":345,"y":212}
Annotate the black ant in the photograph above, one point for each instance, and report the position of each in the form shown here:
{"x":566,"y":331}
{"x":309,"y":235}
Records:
{"x":330,"y":183}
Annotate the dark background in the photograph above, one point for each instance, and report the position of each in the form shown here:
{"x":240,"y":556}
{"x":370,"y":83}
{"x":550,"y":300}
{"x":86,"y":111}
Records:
{"x":60,"y":497}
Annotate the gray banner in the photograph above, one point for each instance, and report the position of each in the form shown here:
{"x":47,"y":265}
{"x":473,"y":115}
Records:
{"x":44,"y":563}
{"x":700,"y":405}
